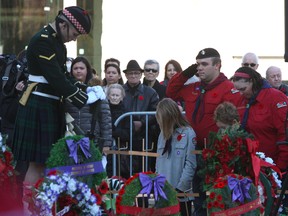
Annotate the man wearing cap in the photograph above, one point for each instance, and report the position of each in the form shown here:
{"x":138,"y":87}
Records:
{"x":138,"y":97}
{"x":40,"y":118}
{"x":201,"y":99}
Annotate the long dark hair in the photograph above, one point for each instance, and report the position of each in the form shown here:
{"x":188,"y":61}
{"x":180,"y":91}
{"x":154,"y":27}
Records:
{"x":88,"y":66}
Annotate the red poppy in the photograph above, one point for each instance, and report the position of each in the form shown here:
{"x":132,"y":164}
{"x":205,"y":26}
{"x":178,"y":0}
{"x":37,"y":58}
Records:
{"x":212,"y":195}
{"x":52,"y":172}
{"x":219,"y":197}
{"x":98,"y":199}
{"x":141,"y":97}
{"x":103,"y":188}
{"x":179,"y":137}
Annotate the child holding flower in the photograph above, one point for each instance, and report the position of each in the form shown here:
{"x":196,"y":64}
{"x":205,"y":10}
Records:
{"x":175,"y":144}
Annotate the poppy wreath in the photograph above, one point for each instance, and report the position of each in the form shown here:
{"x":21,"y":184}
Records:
{"x":166,"y":202}
{"x":234,"y":195}
{"x":80,"y":157}
{"x":7,"y":163}
{"x":59,"y":194}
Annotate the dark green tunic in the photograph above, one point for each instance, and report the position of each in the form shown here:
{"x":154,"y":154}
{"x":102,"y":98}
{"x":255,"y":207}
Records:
{"x":40,"y":123}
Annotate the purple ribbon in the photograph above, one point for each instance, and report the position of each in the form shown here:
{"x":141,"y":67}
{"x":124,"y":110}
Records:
{"x":84,"y":144}
{"x":147,"y":183}
{"x":240,"y":188}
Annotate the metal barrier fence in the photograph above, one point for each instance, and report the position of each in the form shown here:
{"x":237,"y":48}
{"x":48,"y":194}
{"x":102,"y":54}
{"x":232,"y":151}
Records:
{"x":130,"y":115}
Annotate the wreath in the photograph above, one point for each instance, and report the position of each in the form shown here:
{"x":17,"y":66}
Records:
{"x":7,"y":163}
{"x":226,"y":153}
{"x":58,"y":194}
{"x":234,"y":195}
{"x":78,"y":156}
{"x":166,"y":202}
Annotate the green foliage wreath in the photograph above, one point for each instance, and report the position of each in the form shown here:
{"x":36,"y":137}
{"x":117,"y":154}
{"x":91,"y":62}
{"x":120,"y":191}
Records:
{"x":125,"y":200}
{"x":59,"y":156}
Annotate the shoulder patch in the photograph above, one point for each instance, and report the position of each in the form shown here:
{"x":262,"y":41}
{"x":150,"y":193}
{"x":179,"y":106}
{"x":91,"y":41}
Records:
{"x":281,"y":104}
{"x":234,"y":91}
{"x":44,"y":35}
{"x":47,"y":57}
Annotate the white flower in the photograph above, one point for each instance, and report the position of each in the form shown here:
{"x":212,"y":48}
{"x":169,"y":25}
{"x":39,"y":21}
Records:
{"x":87,"y":195}
{"x":72,"y":185}
{"x":269,"y":160}
{"x":55,"y":188}
{"x":261,"y":194}
{"x":94,"y":209}
{"x":260,"y":154}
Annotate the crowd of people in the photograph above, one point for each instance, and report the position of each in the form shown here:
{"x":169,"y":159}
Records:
{"x":56,"y":86}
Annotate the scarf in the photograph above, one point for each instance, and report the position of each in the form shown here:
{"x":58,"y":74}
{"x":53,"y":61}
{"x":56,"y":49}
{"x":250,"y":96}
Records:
{"x":251,"y":101}
{"x":168,"y":146}
{"x":204,"y":87}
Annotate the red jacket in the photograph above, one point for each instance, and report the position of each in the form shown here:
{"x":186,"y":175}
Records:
{"x":189,"y":93}
{"x":267,"y":122}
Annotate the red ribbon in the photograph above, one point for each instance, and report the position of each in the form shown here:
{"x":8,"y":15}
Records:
{"x":252,"y":146}
{"x":132,"y":210}
{"x":272,"y":166}
{"x":239,"y":209}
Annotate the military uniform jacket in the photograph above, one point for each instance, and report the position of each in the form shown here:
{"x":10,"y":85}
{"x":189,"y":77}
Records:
{"x":46,"y":55}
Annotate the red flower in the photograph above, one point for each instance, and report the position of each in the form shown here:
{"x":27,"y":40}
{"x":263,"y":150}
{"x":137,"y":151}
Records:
{"x":103,"y":188}
{"x":219,"y":198}
{"x":118,"y":209}
{"x":52,"y":172}
{"x":121,"y":192}
{"x":39,"y":182}
{"x":212,"y":195}
{"x":98,"y":199}
{"x":209,"y":205}
{"x":179,"y":137}
{"x":141,"y":97}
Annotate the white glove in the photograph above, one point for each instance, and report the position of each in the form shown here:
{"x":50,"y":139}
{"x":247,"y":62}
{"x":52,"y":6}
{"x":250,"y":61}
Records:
{"x":98,"y":91}
{"x":91,"y":97}
{"x":95,"y":93}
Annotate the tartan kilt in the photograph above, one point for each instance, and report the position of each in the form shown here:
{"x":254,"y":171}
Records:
{"x":39,"y":124}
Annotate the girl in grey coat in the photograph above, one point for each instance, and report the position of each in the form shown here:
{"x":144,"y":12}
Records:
{"x":175,"y":145}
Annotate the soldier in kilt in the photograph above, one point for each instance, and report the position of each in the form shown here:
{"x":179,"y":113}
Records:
{"x":40,"y":118}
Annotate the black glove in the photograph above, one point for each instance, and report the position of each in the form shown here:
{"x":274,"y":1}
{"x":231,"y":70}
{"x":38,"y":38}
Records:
{"x":190,"y":71}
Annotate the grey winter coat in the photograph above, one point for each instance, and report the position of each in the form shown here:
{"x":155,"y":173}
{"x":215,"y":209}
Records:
{"x":179,"y":167}
{"x":83,"y":119}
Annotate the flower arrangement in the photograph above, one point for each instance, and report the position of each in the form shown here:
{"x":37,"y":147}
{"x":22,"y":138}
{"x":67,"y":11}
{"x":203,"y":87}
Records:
{"x":80,"y":156}
{"x":166,"y":202}
{"x":62,"y":194}
{"x":226,"y":153}
{"x":233,"y":152}
{"x":7,"y":164}
{"x":233,"y":195}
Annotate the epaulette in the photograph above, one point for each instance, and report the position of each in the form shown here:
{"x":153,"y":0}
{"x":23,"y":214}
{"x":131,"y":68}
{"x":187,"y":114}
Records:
{"x":234,"y":91}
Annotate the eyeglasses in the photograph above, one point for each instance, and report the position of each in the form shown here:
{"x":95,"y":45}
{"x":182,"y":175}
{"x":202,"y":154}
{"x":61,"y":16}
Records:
{"x":150,"y":69}
{"x":251,"y":64}
{"x":133,"y":73}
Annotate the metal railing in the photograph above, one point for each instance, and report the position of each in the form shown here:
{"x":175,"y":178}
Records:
{"x":146,"y":144}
